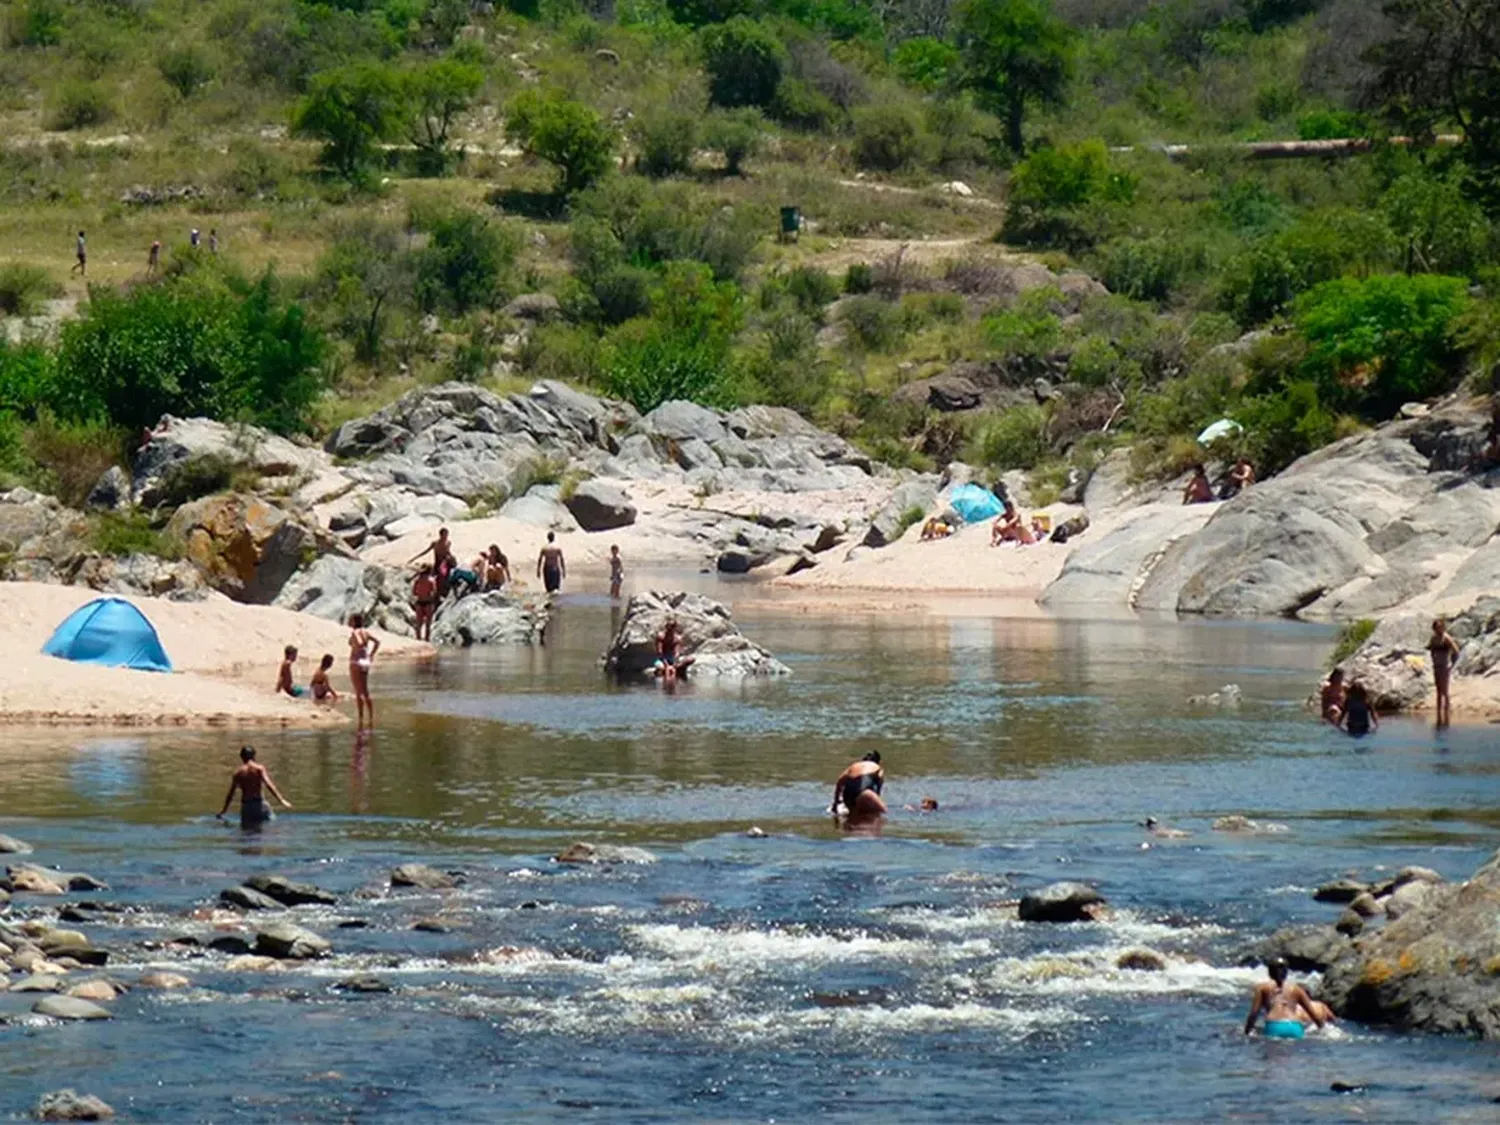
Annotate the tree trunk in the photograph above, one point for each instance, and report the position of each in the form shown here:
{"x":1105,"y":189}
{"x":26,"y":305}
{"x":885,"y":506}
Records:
{"x":1014,"y":115}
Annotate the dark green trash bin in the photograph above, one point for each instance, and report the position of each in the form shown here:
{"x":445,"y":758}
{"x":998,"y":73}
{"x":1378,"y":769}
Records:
{"x":791,"y":223}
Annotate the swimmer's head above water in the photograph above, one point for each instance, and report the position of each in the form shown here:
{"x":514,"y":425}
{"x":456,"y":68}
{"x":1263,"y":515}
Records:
{"x":247,"y":753}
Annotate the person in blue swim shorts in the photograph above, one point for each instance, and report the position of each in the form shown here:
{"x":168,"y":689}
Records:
{"x":1282,"y":1004}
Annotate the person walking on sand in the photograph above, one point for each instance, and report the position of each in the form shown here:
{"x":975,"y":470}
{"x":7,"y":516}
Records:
{"x":250,"y":779}
{"x":362,"y":649}
{"x":322,"y":689}
{"x":551,"y":567}
{"x":284,"y":676}
{"x":857,"y":790}
{"x":1282,"y":1004}
{"x":81,"y":252}
{"x":616,"y":571}
{"x":1444,"y":651}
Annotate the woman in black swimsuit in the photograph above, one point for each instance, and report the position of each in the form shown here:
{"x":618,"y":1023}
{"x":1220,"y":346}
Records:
{"x":858,"y":788}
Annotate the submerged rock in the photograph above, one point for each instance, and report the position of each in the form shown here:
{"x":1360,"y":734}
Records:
{"x":1141,"y":961}
{"x":34,"y":881}
{"x":69,"y":1105}
{"x":362,"y":983}
{"x":1061,"y":902}
{"x":94,"y":990}
{"x":708,"y":636}
{"x":70,"y":1008}
{"x":420,"y":875}
{"x":583,"y":852}
{"x":247,"y":898}
{"x":288,"y":893}
{"x":290,"y":942}
{"x":11,"y":846}
{"x":163,"y":980}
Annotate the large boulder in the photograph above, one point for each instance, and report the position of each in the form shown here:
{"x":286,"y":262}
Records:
{"x":177,"y":442}
{"x":289,"y":942}
{"x":492,"y":618}
{"x":1109,"y":569}
{"x":70,"y":1008}
{"x":911,"y":498}
{"x":598,"y":506}
{"x":1433,"y":967}
{"x":709,"y":636}
{"x":334,"y":587}
{"x":288,"y":892}
{"x":245,"y":546}
{"x":1061,"y":902}
{"x":69,"y":1105}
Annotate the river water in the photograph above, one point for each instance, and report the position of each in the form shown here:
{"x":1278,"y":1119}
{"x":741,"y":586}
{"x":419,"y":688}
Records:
{"x":805,"y":975}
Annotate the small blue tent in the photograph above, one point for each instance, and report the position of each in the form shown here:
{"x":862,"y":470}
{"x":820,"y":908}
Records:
{"x":109,"y":631}
{"x":974,"y":504}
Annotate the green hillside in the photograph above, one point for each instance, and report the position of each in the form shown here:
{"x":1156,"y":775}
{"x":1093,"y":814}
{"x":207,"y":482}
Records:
{"x":381,"y":178}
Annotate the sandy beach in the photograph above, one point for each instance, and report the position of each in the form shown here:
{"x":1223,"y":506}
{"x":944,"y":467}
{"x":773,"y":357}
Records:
{"x":225,"y":657}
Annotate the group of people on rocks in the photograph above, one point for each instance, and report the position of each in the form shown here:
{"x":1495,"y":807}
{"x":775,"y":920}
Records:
{"x":1200,"y":490}
{"x":1348,"y":707}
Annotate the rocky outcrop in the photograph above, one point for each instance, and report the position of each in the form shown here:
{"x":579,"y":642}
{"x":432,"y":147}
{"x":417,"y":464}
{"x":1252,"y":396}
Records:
{"x":177,"y":444}
{"x":587,"y":853}
{"x":245,"y":546}
{"x":1109,"y":569}
{"x":69,"y":1105}
{"x":709,"y":636}
{"x":1433,"y":966}
{"x":334,"y":587}
{"x":1394,"y":666}
{"x":493,"y":618}
{"x":423,"y":877}
{"x":598,"y":506}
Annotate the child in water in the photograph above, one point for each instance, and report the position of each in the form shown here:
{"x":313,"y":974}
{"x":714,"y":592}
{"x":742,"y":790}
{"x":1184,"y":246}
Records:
{"x":322,"y":690}
{"x":1359,"y":717}
{"x":284,"y":676}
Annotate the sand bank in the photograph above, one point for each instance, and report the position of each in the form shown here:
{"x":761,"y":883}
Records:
{"x":225,"y":655}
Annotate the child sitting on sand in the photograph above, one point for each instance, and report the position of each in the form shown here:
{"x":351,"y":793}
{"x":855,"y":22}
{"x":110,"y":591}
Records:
{"x":935,"y":528}
{"x":322,"y":690}
{"x":284,"y":677}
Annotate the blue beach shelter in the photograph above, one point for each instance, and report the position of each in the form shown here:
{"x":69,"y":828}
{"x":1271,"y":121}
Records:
{"x":109,"y":631}
{"x":974,"y":504}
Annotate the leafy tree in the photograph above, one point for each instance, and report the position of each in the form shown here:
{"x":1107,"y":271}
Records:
{"x":186,"y":69}
{"x":737,"y":133}
{"x":667,"y":137}
{"x":568,"y":134}
{"x":888,"y":137}
{"x":435,"y":94}
{"x":1441,"y":66}
{"x":700,"y":13}
{"x":1439,"y":229}
{"x":466,"y":263}
{"x":365,"y":275}
{"x":350,"y":109}
{"x":926,"y":63}
{"x":745,"y":62}
{"x":1016,"y":54}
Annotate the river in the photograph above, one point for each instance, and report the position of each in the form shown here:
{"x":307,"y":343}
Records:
{"x":803,"y":975}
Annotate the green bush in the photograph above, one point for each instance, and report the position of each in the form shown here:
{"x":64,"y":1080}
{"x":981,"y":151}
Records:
{"x":871,"y":323}
{"x":626,"y":220}
{"x":186,"y":69}
{"x":1014,"y":439}
{"x":888,"y":137}
{"x":130,"y":533}
{"x":666,"y":138}
{"x":70,"y":457}
{"x":1051,"y":188}
{"x":1351,"y":639}
{"x":811,"y":289}
{"x":467,"y":263}
{"x":802,"y":105}
{"x":681,"y":351}
{"x":39,"y":23}
{"x":1028,"y":331}
{"x":926,"y":63}
{"x":1145,"y":269}
{"x":434,"y":95}
{"x":565,"y":133}
{"x":1331,"y":124}
{"x":27,"y":373}
{"x":79,"y":105}
{"x":189,"y":347}
{"x":859,"y":278}
{"x":1284,"y":425}
{"x":198,"y":476}
{"x":745,"y":61}
{"x":1376,"y":343}
{"x":1437,"y":228}
{"x":623,"y":293}
{"x":737,"y":133}
{"x":24,"y":288}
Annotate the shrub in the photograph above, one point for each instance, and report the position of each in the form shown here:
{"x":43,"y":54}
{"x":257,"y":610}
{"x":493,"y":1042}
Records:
{"x":1351,"y":639}
{"x":681,"y":350}
{"x":1376,"y":343}
{"x":24,"y":288}
{"x":666,"y":138}
{"x":1014,"y":439}
{"x":1028,"y":331}
{"x":130,"y":533}
{"x":434,"y":95}
{"x":888,"y":138}
{"x":1050,"y":188}
{"x":1438,"y":230}
{"x":623,"y":293}
{"x":568,"y":134}
{"x":737,"y":133}
{"x":802,"y":106}
{"x":198,"y":476}
{"x":466,"y":263}
{"x":1331,"y":124}
{"x":926,"y":63}
{"x":186,"y":69}
{"x":627,"y":220}
{"x":562,"y":352}
{"x":872,"y":323}
{"x":79,"y":105}
{"x":39,"y":24}
{"x":71,"y":456}
{"x":188,"y":347}
{"x":859,"y":278}
{"x":1145,"y":269}
{"x":811,"y":289}
{"x":908,"y":518}
{"x":745,"y":61}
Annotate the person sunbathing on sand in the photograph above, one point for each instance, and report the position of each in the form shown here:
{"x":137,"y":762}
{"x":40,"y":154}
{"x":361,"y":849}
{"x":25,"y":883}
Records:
{"x":1010,"y":528}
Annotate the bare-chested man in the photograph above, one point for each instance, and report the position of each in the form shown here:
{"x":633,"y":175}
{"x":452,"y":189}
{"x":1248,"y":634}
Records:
{"x":249,"y":779}
{"x":1283,"y":1005}
{"x":443,"y":560}
{"x":551,"y":567}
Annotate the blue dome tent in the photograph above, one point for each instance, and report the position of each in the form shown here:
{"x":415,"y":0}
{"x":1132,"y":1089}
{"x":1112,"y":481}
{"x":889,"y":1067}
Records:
{"x":109,"y":631}
{"x":974,"y":504}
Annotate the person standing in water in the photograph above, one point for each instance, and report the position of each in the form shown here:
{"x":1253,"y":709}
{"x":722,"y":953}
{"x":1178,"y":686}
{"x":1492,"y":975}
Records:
{"x":551,"y":567}
{"x":1282,"y":1004}
{"x":362,"y":650}
{"x":1332,"y":697}
{"x":1359,"y":717}
{"x":858,"y":788}
{"x":616,"y":572}
{"x":250,"y":779}
{"x":1444,"y":651}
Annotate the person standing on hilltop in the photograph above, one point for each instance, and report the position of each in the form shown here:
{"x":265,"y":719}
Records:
{"x":1444,"y":651}
{"x":81,"y":252}
{"x":551,"y":567}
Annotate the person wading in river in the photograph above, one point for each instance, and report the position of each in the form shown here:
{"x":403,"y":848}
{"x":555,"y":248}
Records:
{"x":249,"y":779}
{"x":551,"y":567}
{"x":857,"y":791}
{"x":1282,"y":1004}
{"x":1444,"y":651}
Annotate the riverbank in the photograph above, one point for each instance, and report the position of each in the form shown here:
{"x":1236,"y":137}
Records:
{"x":225,"y":656}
